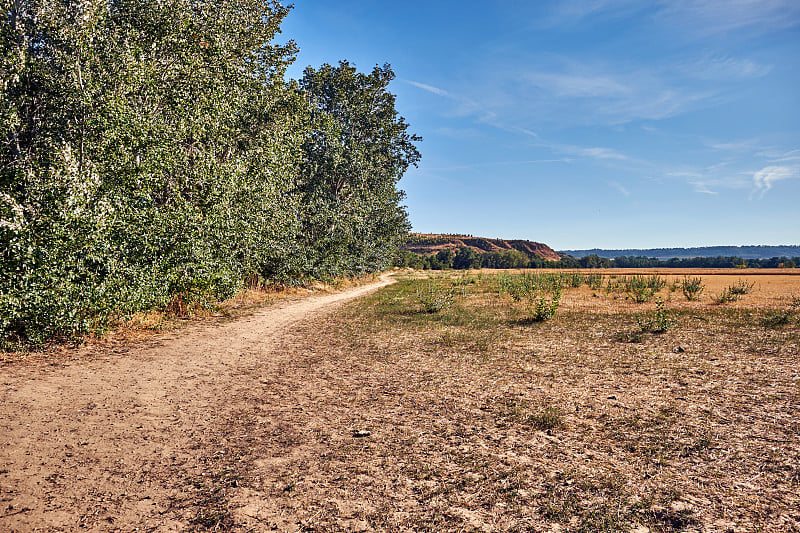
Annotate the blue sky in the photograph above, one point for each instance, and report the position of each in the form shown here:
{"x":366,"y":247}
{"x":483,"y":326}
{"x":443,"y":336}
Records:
{"x":582,"y":124}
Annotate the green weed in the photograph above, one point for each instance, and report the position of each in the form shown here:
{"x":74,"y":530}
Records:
{"x":434,"y":298}
{"x":692,"y":288}
{"x":657,"y":321}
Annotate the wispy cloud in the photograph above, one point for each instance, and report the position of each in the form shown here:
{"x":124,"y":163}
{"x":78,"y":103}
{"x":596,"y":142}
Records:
{"x":711,"y":17}
{"x":697,"y":17}
{"x":718,"y":176}
{"x":744,"y":145}
{"x":429,"y":88}
{"x":602,"y":153}
{"x":497,"y":164}
{"x":781,"y":157}
{"x":722,"y":67}
{"x":586,"y":92}
{"x":462,"y":106}
{"x":764,"y":178}
{"x":576,"y":85}
{"x":702,"y":188}
{"x":458,"y":133}
{"x":618,"y":186}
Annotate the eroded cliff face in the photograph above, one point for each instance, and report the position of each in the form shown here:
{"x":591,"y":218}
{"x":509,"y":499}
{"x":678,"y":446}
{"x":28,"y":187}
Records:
{"x":426,"y":243}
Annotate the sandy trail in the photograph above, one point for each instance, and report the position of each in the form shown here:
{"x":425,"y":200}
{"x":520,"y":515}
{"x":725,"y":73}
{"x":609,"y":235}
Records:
{"x":124,"y":441}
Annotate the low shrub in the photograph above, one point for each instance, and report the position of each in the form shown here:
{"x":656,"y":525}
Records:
{"x":657,"y":321}
{"x":434,"y":297}
{"x":733,"y":292}
{"x":543,"y":305}
{"x":782,"y":318}
{"x":692,"y":288}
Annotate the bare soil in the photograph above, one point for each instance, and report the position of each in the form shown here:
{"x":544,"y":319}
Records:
{"x":153,"y":436}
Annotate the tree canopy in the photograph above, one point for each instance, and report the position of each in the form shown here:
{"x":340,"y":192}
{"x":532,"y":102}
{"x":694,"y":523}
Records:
{"x":153,"y":150}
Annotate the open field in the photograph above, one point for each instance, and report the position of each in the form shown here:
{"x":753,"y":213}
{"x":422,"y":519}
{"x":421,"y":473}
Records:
{"x":482,"y":421}
{"x":430,"y":405}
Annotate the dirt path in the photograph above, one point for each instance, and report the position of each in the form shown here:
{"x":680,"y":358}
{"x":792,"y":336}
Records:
{"x":137,"y":440}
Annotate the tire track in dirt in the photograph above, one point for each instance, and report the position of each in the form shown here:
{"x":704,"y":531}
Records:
{"x":109,"y":444}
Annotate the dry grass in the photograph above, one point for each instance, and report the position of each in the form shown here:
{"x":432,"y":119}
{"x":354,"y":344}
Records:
{"x":479,"y":423}
{"x":146,"y":326}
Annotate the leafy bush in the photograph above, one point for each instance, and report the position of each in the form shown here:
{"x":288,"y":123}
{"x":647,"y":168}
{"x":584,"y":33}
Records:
{"x":547,"y":418}
{"x":594,"y":281}
{"x":733,"y":292}
{"x":544,"y":304}
{"x":657,"y":321}
{"x":740,"y":288}
{"x":433,"y":297}
{"x":692,"y":288}
{"x":642,"y":288}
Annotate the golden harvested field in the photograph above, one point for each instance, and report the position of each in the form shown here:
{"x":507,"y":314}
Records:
{"x":437,"y":403}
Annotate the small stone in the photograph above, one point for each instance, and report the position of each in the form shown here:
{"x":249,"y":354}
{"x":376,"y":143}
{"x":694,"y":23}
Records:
{"x":360,"y":433}
{"x":679,"y":506}
{"x":679,"y":349}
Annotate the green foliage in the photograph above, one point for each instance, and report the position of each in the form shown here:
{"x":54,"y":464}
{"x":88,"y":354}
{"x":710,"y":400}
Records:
{"x":520,"y":286}
{"x":543,"y":306}
{"x":733,"y":292}
{"x":740,"y":288}
{"x":152,"y":151}
{"x":542,"y":292}
{"x":692,"y":288}
{"x":434,"y":297}
{"x":783,"y":317}
{"x":594,"y":281}
{"x":642,"y":288}
{"x":576,"y":279}
{"x":357,"y":151}
{"x":547,"y":418}
{"x":657,"y":321}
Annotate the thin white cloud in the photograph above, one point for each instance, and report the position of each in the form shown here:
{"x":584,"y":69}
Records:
{"x":733,"y":146}
{"x":464,"y":107}
{"x":700,"y":18}
{"x":602,"y":153}
{"x":429,"y":88}
{"x":781,"y":157}
{"x":720,"y":68}
{"x":710,"y":17}
{"x":498,"y":164}
{"x":701,"y":187}
{"x":764,"y":178}
{"x":618,"y":186}
{"x":705,"y":180}
{"x":579,"y":86}
{"x":458,"y":133}
{"x":600,"y":93}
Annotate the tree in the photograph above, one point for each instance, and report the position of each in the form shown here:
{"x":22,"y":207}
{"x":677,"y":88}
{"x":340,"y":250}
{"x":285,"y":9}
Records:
{"x":147,"y":148}
{"x":357,"y":151}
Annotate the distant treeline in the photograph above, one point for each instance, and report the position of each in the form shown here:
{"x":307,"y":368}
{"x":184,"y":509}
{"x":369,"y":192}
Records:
{"x":153,"y":154}
{"x":745,"y":252}
{"x":466,"y":258}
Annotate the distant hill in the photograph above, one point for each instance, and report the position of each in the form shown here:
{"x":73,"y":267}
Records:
{"x":430,"y":243}
{"x":745,"y":252}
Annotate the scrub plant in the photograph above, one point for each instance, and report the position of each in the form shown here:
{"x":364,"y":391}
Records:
{"x":433,"y":297}
{"x":733,"y":292}
{"x":657,"y":321}
{"x":692,"y":288}
{"x":543,"y":304}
